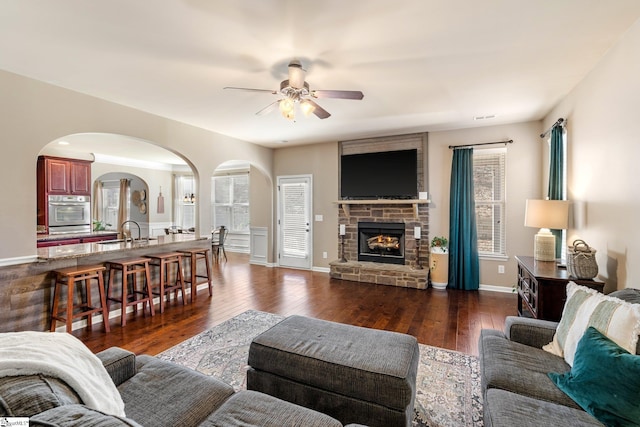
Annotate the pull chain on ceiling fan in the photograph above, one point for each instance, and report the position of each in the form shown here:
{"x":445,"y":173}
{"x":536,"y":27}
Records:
{"x":296,"y":91}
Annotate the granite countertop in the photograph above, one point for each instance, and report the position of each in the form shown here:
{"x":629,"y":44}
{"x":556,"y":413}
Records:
{"x":61,"y":236}
{"x":87,"y":249}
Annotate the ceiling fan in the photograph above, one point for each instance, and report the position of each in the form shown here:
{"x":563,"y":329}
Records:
{"x":296,"y":91}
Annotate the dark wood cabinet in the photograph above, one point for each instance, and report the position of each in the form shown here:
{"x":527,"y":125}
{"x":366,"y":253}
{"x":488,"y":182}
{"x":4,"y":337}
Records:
{"x":74,"y":240}
{"x":542,"y":288}
{"x":57,"y":175}
{"x":64,"y":176}
{"x":80,"y":177}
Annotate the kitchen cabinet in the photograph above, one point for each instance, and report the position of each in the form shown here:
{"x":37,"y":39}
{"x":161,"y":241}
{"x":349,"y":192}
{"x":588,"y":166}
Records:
{"x":75,"y":240}
{"x":59,"y":242}
{"x":64,"y":176}
{"x":80,"y":178}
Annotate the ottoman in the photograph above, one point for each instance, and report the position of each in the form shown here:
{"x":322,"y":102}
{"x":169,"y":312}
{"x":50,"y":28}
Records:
{"x":354,"y":374}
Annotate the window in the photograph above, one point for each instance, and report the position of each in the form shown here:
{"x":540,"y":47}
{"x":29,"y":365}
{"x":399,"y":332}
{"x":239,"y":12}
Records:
{"x":185,"y":206}
{"x":231,"y":202}
{"x":110,"y":194}
{"x":489,"y":185}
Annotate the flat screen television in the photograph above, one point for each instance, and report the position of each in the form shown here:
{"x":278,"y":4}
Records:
{"x":383,"y":175}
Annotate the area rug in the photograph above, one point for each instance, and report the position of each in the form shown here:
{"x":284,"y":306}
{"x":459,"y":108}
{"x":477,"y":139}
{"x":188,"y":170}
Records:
{"x":448,"y":383}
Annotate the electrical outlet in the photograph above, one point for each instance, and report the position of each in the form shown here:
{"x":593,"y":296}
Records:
{"x":324,"y":255}
{"x":501,"y":269}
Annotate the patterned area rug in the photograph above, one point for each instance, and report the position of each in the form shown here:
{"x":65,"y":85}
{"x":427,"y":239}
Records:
{"x":448,"y":383}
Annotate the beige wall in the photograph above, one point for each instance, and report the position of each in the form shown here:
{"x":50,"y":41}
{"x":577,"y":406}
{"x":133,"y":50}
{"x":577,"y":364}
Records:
{"x":320,"y":161}
{"x":603,"y":134}
{"x":35,"y":113}
{"x":523,"y":182}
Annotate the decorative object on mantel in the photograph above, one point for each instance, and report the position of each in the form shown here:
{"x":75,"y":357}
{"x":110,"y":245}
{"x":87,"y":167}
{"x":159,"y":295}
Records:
{"x":581,"y":260}
{"x":546,"y":215}
{"x":160,"y":202}
{"x":439,"y":262}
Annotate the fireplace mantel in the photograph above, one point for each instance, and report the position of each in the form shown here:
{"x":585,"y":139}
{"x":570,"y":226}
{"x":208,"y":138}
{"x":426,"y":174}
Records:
{"x":414,"y":202}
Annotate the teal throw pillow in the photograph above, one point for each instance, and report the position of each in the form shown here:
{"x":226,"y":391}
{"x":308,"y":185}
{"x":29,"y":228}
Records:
{"x":604,"y":380}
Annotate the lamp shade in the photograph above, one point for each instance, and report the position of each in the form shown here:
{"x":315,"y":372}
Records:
{"x":552,"y":214}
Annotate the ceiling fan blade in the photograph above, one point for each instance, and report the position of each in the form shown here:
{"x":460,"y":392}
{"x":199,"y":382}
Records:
{"x":341,"y":94}
{"x":251,"y":89}
{"x":318,"y":110}
{"x":269,"y":108}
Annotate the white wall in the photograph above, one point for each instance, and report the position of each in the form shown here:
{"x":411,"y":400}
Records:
{"x":34,"y":113}
{"x":603,"y":131}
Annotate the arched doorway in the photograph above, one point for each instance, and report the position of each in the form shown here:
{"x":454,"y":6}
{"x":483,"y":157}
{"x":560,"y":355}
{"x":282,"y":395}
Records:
{"x":150,"y":169}
{"x":242,"y":201}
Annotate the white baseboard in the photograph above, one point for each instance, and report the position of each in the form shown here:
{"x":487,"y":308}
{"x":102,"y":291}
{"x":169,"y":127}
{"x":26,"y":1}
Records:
{"x":494,"y":288}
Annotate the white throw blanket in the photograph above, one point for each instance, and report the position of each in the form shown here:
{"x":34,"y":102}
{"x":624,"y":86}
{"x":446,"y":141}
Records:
{"x":62,"y":356}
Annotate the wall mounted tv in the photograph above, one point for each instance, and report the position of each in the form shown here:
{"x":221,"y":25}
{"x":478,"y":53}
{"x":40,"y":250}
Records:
{"x":383,"y":175}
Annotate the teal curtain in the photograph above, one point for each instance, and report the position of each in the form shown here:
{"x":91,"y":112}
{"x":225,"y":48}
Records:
{"x":556,"y":177}
{"x":464,"y":265}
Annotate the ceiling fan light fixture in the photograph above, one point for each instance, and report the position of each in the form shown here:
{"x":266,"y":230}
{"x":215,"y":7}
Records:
{"x":286,"y":106}
{"x":289,"y":115}
{"x":307,"y":108}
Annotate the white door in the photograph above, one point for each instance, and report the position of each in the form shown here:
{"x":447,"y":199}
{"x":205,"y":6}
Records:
{"x":294,"y":221}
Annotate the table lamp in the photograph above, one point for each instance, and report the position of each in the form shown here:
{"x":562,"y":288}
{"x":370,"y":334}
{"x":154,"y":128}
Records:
{"x":546,"y":215}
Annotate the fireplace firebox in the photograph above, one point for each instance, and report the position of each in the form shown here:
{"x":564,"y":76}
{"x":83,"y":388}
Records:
{"x":381,"y":242}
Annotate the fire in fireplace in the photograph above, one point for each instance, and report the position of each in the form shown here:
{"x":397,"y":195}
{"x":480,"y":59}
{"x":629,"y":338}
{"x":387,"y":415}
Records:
{"x":381,"y":242}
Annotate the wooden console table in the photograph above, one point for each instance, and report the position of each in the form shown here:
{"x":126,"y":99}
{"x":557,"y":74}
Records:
{"x":542,"y":288}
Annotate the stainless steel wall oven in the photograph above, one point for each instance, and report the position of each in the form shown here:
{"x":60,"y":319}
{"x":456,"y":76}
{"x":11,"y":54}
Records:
{"x":69,"y":214}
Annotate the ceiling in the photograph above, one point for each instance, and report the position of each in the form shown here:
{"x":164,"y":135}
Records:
{"x":423,"y":65}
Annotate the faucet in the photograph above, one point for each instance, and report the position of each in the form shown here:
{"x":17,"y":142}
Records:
{"x":137,"y":225}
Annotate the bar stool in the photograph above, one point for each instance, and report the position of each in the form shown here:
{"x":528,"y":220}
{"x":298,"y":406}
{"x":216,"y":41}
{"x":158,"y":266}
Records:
{"x":131,"y":294}
{"x":194,"y":254}
{"x":163,"y":261}
{"x":69,"y":276}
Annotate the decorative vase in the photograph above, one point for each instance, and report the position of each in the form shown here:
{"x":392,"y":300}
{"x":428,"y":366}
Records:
{"x":439,"y":264}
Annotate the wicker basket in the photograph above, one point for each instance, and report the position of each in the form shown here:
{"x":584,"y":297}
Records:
{"x":581,"y":260}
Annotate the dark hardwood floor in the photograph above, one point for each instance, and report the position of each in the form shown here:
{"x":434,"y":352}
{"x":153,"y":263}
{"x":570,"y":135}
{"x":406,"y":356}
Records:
{"x":449,"y":319}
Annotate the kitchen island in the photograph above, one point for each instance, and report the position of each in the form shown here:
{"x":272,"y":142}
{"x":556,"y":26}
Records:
{"x":26,"y":289}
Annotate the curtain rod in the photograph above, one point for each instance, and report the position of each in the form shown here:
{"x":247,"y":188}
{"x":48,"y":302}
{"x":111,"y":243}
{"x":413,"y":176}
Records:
{"x":558,"y":122}
{"x":482,"y":143}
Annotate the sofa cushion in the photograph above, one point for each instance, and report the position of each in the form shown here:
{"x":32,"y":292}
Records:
{"x":506,"y":409}
{"x":603,"y":380}
{"x":519,"y":368}
{"x":615,"y":318}
{"x":250,"y":408}
{"x":78,"y":416}
{"x":163,"y":394}
{"x":27,"y":395}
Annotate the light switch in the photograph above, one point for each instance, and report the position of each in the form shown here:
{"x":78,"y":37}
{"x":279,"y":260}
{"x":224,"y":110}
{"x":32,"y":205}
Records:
{"x":319,"y":218}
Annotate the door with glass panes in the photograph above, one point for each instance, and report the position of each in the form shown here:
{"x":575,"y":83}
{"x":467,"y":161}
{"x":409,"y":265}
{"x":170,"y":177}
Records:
{"x":294,"y":222}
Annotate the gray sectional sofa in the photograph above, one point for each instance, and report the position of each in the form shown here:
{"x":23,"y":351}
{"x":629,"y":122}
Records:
{"x":155,"y":393}
{"x":516,"y":388}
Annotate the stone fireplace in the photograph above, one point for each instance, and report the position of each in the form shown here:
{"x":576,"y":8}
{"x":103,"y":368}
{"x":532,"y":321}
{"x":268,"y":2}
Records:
{"x":376,"y":215}
{"x":381,"y":242}
{"x":383,"y":260}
